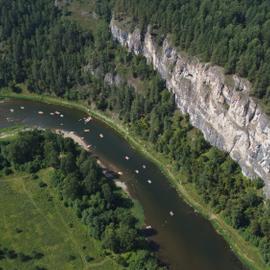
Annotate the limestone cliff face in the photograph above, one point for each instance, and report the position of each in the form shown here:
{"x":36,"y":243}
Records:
{"x":218,"y":105}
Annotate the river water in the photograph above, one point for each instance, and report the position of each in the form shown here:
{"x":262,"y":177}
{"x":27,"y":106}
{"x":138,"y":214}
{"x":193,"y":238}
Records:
{"x":186,"y":241}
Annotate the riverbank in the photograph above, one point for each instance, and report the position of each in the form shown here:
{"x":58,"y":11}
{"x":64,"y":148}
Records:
{"x":108,"y":167}
{"x":77,"y":139}
{"x":246,"y":252}
{"x":11,"y":132}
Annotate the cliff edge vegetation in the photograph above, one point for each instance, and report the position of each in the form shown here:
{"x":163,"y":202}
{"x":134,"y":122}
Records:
{"x":232,"y":34}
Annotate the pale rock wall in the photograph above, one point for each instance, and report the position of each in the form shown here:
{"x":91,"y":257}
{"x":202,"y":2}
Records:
{"x":219,"y":106}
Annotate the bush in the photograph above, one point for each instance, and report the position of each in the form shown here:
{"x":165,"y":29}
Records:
{"x":71,"y":257}
{"x":42,"y":184}
{"x":11,"y":254}
{"x":24,"y":258}
{"x":88,"y":258}
{"x":37,"y":255}
{"x":34,"y":176}
{"x":16,"y":89}
{"x":18,"y":230}
{"x":7,"y":171}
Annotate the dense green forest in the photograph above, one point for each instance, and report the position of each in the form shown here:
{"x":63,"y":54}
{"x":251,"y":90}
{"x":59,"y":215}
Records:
{"x":233,"y":34}
{"x":38,"y":47}
{"x":42,"y":48}
{"x":81,"y":186}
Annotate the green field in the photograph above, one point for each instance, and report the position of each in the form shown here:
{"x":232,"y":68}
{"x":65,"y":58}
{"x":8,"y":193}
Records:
{"x":43,"y":233}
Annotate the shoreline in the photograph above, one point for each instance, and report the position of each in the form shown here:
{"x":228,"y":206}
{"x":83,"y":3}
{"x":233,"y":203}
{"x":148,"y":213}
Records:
{"x":245,"y":251}
{"x":76,"y":138}
{"x":107,"y":167}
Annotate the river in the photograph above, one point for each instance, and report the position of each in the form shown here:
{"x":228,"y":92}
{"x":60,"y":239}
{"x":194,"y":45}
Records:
{"x":185,"y":240}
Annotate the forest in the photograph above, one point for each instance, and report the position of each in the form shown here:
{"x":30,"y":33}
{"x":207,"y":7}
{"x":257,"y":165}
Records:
{"x":81,"y":186}
{"x":75,"y":70}
{"x":38,"y":47}
{"x":232,"y":34}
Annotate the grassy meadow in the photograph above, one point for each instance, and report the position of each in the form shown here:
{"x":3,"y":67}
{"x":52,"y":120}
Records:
{"x":38,"y":232}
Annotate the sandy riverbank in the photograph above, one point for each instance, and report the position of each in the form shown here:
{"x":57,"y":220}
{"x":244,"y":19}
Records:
{"x":76,"y":138}
{"x":105,"y":166}
{"x":110,"y":167}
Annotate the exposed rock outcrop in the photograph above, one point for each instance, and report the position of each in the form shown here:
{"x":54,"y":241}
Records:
{"x":61,"y":3}
{"x":113,"y":80}
{"x":219,"y":105}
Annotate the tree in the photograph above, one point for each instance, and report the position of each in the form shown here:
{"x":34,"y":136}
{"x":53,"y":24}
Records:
{"x":143,"y":260}
{"x":51,"y":155}
{"x":71,"y":187}
{"x":68,"y":163}
{"x":110,"y":240}
{"x":90,"y":182}
{"x":127,"y":238}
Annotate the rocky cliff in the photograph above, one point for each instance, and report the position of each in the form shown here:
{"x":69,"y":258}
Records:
{"x":219,"y":105}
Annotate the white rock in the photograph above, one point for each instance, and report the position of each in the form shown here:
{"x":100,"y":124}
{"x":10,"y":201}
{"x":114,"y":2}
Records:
{"x":219,"y":106}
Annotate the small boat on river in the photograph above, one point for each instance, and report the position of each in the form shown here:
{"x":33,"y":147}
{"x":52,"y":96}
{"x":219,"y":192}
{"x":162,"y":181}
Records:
{"x":9,"y":119}
{"x":88,"y":119}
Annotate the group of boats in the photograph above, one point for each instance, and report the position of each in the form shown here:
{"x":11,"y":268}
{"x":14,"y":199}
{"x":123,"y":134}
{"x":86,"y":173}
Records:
{"x":137,"y":171}
{"x":39,"y":112}
{"x":87,"y":120}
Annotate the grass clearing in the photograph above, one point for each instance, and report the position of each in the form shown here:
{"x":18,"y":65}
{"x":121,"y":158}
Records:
{"x":35,"y":220}
{"x":82,"y":13}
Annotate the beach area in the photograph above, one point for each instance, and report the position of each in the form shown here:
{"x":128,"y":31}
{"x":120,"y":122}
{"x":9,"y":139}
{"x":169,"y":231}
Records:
{"x":72,"y":135}
{"x":104,"y":165}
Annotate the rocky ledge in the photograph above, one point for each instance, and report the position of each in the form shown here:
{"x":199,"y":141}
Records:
{"x":219,"y":105}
